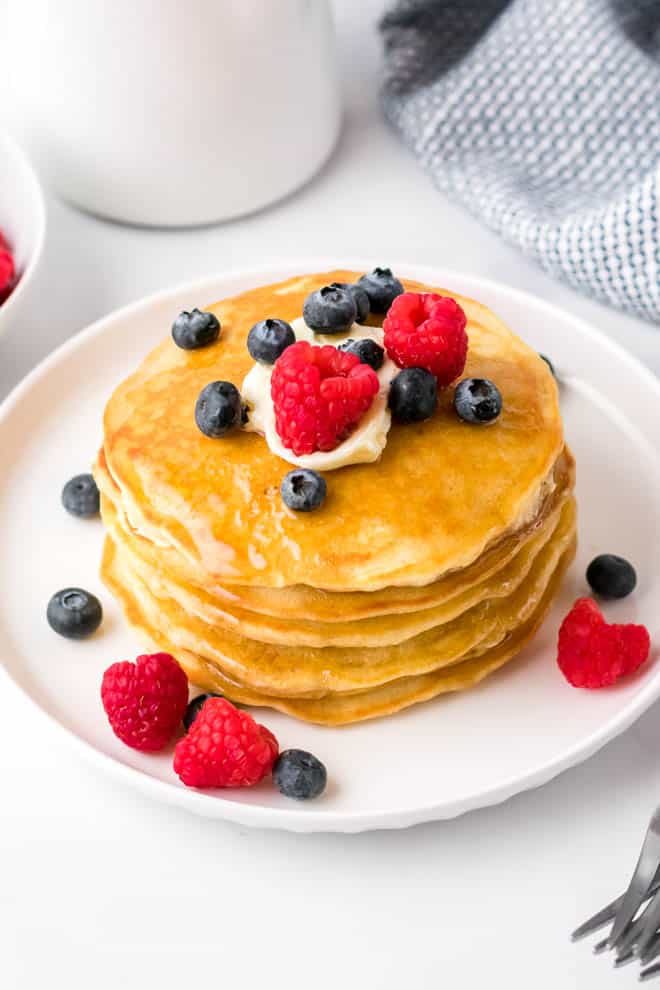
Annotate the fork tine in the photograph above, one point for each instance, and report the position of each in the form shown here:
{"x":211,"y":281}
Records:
{"x":645,"y":871}
{"x":649,"y":973}
{"x":605,"y":915}
{"x":624,"y":959}
{"x":652,"y":951}
{"x":598,"y":920}
{"x":632,"y":934}
{"x":650,"y":924}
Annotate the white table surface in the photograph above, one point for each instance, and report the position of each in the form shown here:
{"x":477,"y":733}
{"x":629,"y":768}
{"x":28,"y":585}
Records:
{"x":100,"y":888}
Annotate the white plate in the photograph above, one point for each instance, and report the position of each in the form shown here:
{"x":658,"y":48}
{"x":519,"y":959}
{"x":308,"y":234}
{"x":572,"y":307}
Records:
{"x":437,"y":760}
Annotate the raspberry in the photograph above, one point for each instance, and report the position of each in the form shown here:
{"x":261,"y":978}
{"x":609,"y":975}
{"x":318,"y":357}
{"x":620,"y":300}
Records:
{"x":319,"y":395}
{"x":225,"y":747}
{"x":145,"y":701}
{"x":593,"y":653}
{"x":424,"y":330}
{"x":7,"y":270}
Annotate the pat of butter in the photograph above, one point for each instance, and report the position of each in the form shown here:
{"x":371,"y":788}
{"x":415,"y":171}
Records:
{"x":367,"y":441}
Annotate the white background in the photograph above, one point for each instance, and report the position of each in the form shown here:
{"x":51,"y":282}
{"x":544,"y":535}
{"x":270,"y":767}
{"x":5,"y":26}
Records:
{"x":100,"y":888}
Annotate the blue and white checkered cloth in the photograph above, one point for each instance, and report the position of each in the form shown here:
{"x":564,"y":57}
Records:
{"x":542,"y":117}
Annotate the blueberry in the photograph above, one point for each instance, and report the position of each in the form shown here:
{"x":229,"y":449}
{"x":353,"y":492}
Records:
{"x":218,"y":409}
{"x":194,"y":708}
{"x":382,"y":288}
{"x":477,"y":400}
{"x":611,"y":576}
{"x":303,"y":490}
{"x":195,"y":329}
{"x":413,"y":395}
{"x":368,"y":351}
{"x":80,"y":496}
{"x":74,"y":613}
{"x":299,"y":775}
{"x":359,"y":295}
{"x":330,"y":310}
{"x":268,"y":339}
{"x":549,"y":364}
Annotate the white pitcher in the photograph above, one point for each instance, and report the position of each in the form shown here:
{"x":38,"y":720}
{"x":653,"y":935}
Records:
{"x":172,"y":112}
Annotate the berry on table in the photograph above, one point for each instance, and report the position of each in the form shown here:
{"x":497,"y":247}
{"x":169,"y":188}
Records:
{"x":80,"y":496}
{"x":331,"y":309}
{"x":592,"y":653}
{"x":413,"y":395}
{"x":268,"y":339}
{"x":299,"y":775}
{"x":319,"y":395}
{"x":477,"y":400}
{"x":303,"y":490}
{"x":611,"y":576}
{"x":360,"y":297}
{"x":195,"y":329}
{"x":225,"y":747}
{"x":382,"y":288}
{"x":424,"y":330}
{"x":146,"y":700}
{"x":194,"y":707}
{"x":369,"y":351}
{"x":74,"y":613}
{"x":218,"y":409}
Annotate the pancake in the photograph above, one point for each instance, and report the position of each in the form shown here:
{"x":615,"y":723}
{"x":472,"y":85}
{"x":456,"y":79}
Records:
{"x":290,"y":671}
{"x":344,"y":709}
{"x":218,"y":502}
{"x":420,"y":574}
{"x":380,"y":630}
{"x":307,"y":603}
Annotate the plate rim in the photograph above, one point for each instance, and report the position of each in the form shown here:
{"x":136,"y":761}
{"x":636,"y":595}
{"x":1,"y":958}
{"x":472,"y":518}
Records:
{"x":306,"y":819}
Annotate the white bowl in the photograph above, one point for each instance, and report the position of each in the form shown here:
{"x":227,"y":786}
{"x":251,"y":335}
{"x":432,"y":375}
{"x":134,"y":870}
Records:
{"x":22,"y":221}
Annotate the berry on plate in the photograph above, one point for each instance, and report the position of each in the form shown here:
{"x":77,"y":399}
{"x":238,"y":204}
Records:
{"x":80,"y":496}
{"x":413,"y":395}
{"x":195,"y":329}
{"x":299,"y":775}
{"x":268,"y":339}
{"x":424,"y":330}
{"x":145,"y":701}
{"x":7,"y":270}
{"x":611,"y":576}
{"x":303,"y":490}
{"x":225,"y":747}
{"x":74,"y":613}
{"x":218,"y":409}
{"x":319,"y":395}
{"x":194,"y":707}
{"x":477,"y":400}
{"x":382,"y":288}
{"x":331,"y":309}
{"x":360,"y":298}
{"x":369,"y":351}
{"x":593,"y":653}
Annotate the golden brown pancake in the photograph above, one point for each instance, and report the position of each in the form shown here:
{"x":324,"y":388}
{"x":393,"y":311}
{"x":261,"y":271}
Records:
{"x":440,"y":494}
{"x":307,"y":603}
{"x":420,"y":574}
{"x":343,"y":709}
{"x":293,"y":670}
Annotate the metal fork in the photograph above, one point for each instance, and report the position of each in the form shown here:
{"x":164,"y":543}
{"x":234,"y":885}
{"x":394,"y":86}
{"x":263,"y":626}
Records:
{"x":634,"y":935}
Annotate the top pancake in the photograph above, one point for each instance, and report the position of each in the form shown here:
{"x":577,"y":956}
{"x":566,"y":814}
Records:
{"x":442,"y":491}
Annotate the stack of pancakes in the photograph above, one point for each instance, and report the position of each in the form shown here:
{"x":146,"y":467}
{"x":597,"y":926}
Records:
{"x":420,"y":574}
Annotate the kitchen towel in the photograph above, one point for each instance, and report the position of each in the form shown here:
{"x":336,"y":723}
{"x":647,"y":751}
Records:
{"x":542,"y":117}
